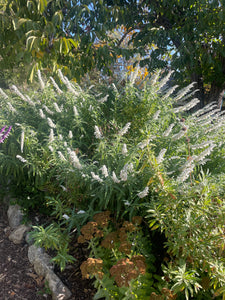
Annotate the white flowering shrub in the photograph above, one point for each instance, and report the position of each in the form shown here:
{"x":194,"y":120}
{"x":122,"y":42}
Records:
{"x":130,"y":150}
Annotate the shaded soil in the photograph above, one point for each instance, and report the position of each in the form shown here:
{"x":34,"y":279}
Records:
{"x":19,"y":281}
{"x":17,"y":277}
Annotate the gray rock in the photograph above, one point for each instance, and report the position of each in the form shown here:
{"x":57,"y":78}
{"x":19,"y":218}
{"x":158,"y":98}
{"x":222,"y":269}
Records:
{"x":34,"y":252}
{"x":58,"y":289}
{"x":18,"y":234}
{"x":40,"y":260}
{"x":29,"y":240}
{"x":15,"y":216}
{"x":44,"y":267}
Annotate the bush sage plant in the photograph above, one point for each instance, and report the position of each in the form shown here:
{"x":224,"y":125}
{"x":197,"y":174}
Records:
{"x":145,"y":151}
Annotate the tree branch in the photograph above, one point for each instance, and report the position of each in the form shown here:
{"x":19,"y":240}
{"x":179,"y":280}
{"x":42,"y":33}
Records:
{"x":126,"y":33}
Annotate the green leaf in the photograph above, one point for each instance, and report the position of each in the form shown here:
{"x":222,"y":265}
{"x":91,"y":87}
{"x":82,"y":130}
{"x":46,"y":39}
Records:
{"x":33,"y":69}
{"x":20,"y":22}
{"x":100,"y":294}
{"x":42,"y":4}
{"x":67,"y":45}
{"x":74,"y":43}
{"x":31,"y":42}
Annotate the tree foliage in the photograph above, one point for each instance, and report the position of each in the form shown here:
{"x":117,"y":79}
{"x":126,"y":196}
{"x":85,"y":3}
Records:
{"x":48,"y":35}
{"x":186,"y":36}
{"x":191,"y":32}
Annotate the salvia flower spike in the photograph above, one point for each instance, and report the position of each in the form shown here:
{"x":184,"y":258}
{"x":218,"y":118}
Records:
{"x":3,"y":129}
{"x":124,"y":129}
{"x":4,"y":134}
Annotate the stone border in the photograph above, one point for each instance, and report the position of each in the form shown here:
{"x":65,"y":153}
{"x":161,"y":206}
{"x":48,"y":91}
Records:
{"x":40,"y":260}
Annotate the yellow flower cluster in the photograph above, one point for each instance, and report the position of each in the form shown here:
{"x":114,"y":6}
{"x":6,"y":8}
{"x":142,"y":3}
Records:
{"x":127,"y":269}
{"x":137,"y":220}
{"x":91,"y":229}
{"x":154,"y":296}
{"x":110,"y":240}
{"x":120,"y":235}
{"x":92,"y":266}
{"x":125,"y":247}
{"x":102,"y":218}
{"x":128,"y":226}
{"x":166,"y":294}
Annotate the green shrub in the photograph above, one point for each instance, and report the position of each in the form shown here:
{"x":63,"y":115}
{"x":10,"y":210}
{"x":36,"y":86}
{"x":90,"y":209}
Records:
{"x":133,"y":151}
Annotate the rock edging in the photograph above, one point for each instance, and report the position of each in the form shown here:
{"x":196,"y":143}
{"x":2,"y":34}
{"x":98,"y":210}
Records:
{"x":36,"y":255}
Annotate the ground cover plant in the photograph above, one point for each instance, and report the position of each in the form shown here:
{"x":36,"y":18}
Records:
{"x":99,"y":157}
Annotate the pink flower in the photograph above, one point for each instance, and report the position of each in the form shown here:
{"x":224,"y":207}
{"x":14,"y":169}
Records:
{"x":3,"y":134}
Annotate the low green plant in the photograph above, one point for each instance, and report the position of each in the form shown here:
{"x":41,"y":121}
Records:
{"x":45,"y":290}
{"x":48,"y":237}
{"x":51,"y":237}
{"x":63,"y":257}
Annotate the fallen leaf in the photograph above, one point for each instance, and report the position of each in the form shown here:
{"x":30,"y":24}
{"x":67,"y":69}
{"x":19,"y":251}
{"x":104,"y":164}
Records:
{"x":12,"y":294}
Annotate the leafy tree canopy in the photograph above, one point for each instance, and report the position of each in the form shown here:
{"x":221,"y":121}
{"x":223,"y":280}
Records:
{"x":191,"y":32}
{"x":186,"y":36}
{"x":47,"y":34}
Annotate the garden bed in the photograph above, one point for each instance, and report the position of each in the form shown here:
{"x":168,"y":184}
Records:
{"x":19,"y":281}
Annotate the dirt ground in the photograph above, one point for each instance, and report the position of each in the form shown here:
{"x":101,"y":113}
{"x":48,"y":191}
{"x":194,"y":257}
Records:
{"x":18,"y":280}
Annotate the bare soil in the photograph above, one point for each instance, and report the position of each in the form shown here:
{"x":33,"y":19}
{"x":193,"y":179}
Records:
{"x":19,"y":281}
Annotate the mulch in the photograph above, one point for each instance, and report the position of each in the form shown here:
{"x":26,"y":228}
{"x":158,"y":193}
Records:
{"x":18,"y":279}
